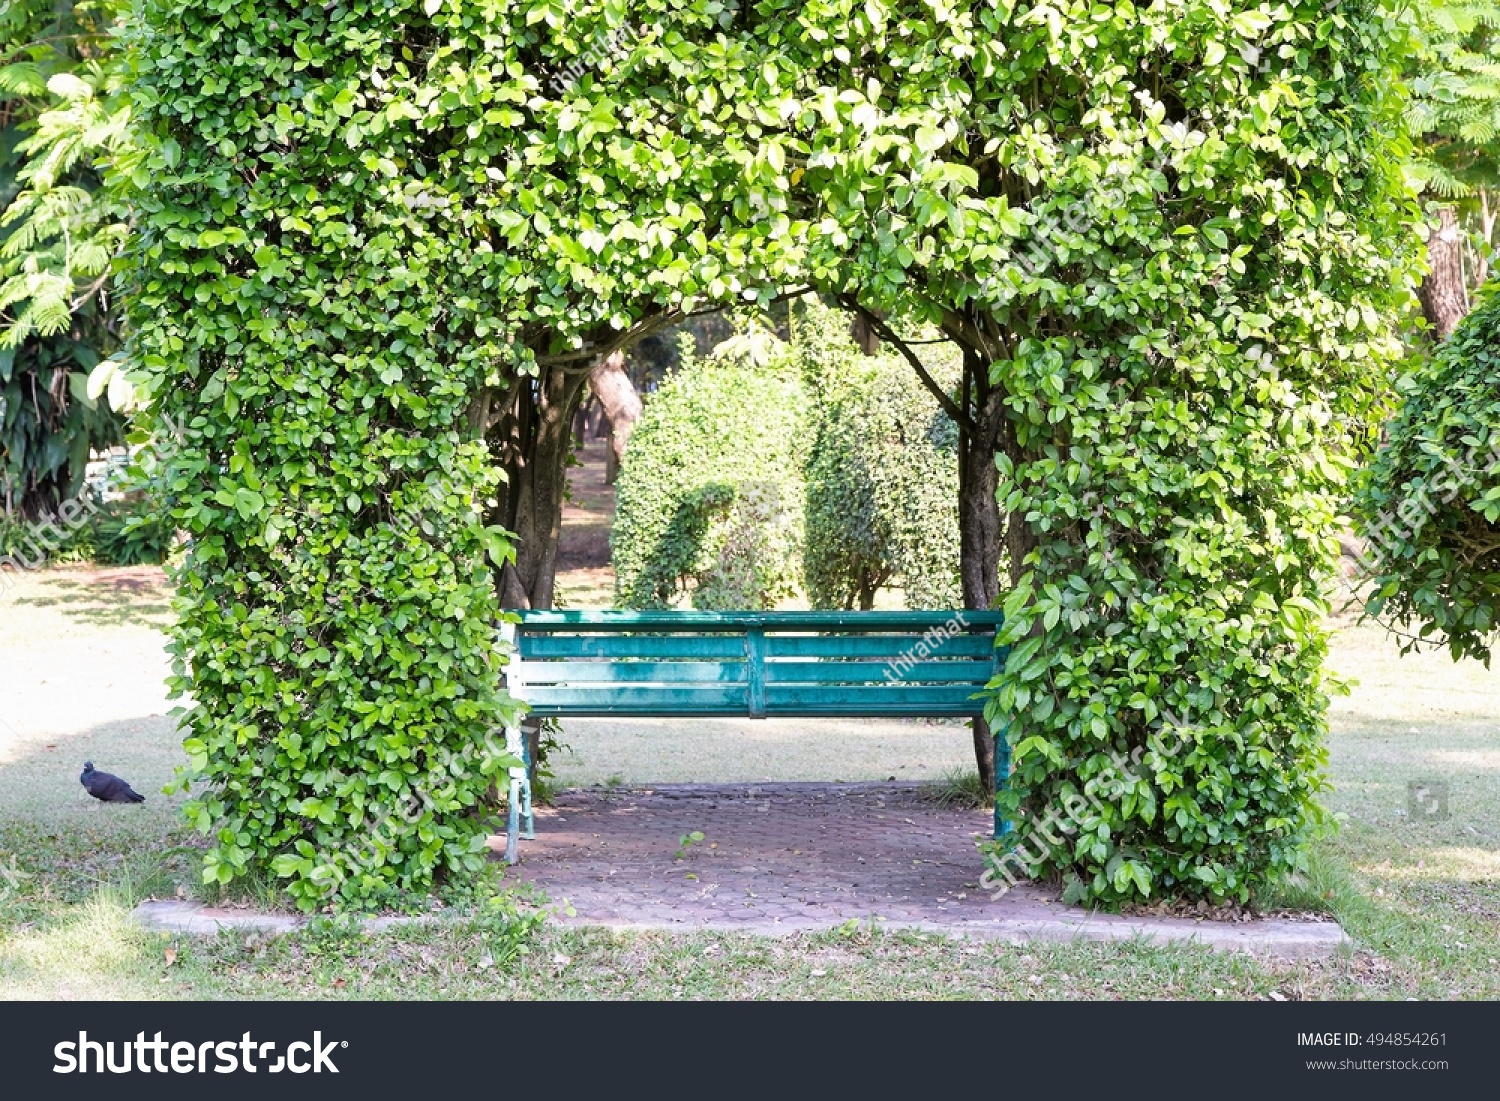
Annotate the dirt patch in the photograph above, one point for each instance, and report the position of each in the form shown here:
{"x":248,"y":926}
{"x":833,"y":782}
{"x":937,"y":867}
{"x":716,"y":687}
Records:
{"x":585,"y":577}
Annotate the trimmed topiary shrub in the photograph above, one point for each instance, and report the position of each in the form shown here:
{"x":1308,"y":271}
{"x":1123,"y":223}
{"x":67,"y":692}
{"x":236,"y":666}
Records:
{"x":1429,"y":506}
{"x":710,"y":495}
{"x":309,"y":297}
{"x":882,"y":474}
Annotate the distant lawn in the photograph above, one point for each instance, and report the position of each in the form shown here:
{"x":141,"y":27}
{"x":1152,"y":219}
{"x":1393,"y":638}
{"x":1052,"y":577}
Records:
{"x":80,"y":677}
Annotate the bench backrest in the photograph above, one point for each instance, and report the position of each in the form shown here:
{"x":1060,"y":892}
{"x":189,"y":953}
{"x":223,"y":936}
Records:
{"x":755,"y":664}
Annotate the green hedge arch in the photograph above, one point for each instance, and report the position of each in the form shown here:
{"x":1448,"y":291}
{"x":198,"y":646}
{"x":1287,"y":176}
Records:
{"x":1167,"y":266}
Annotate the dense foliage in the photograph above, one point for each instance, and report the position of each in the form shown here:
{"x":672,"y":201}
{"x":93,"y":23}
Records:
{"x":1455,"y":101}
{"x":1430,"y":503}
{"x":310,"y":296}
{"x":1164,"y":238}
{"x":710,"y":497}
{"x":882,"y":475}
{"x":62,"y":116}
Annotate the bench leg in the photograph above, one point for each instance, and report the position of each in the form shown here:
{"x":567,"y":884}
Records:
{"x":513,"y":823}
{"x":520,"y":796}
{"x":1002,"y":776}
{"x":528,"y":820}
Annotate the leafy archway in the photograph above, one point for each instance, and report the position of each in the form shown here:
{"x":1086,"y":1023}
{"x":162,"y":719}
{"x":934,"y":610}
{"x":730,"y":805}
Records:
{"x":384,"y":242}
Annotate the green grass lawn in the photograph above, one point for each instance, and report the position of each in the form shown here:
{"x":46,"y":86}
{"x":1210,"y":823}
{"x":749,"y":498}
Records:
{"x":80,"y":677}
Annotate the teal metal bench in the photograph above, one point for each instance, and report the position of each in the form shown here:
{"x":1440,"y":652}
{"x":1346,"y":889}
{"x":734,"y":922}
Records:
{"x":751,"y":664}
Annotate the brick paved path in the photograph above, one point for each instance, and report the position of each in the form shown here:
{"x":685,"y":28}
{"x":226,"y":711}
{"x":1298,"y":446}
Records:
{"x":785,"y":857}
{"x":797,"y":855}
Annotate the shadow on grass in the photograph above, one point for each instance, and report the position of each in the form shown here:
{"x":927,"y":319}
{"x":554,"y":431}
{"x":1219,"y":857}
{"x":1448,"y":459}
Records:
{"x":105,"y":597}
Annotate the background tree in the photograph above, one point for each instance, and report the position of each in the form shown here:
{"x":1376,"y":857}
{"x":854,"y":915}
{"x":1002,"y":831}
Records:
{"x":62,"y":118}
{"x":1454,"y":116}
{"x":611,"y":384}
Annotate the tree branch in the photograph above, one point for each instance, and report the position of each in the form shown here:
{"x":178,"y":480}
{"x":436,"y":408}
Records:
{"x":583,"y":360}
{"x":959,"y":416}
{"x":785,"y":296}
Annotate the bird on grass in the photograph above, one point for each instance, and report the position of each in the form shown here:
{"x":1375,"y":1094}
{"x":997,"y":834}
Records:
{"x":106,"y":788}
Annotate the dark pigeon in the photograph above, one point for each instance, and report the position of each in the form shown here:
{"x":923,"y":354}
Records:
{"x":106,"y":788}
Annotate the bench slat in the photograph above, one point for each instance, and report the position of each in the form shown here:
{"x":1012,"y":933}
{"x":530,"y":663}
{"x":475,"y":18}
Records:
{"x":781,"y":700}
{"x":694,"y":647}
{"x":547,"y":620}
{"x":871,"y":699}
{"x":535,"y":673}
{"x":640,"y":699}
{"x":681,"y":647}
{"x":874,"y":672}
{"x":890,"y":647}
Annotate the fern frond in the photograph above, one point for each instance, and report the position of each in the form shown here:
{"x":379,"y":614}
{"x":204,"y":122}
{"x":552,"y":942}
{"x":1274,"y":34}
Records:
{"x":22,"y":78}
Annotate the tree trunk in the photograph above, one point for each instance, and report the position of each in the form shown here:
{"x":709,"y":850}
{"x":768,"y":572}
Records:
{"x":980,"y":416}
{"x":529,"y":430}
{"x":979,"y":521}
{"x":1444,"y":292}
{"x":864,"y":335}
{"x":622,"y":407}
{"x":531,"y":442}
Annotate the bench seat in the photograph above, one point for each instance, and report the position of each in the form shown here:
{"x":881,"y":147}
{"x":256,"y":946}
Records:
{"x":675,"y":664}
